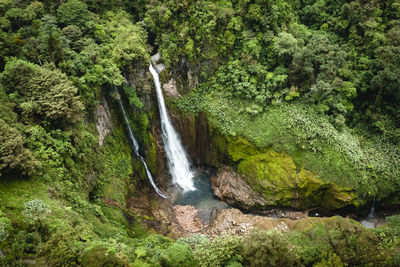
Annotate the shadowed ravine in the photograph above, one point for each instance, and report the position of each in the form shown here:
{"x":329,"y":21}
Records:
{"x":135,"y":145}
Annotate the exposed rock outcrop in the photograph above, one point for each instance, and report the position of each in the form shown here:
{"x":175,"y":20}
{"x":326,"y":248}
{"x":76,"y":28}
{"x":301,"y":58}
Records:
{"x":280,"y":182}
{"x":103,"y":120}
{"x":170,"y":89}
{"x":234,"y":221}
{"x":187,"y":218}
{"x":158,"y":66}
{"x":231,"y":188}
{"x":264,"y":177}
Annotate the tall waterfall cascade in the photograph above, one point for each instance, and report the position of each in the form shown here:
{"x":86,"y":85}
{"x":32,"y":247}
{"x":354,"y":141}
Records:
{"x":135,"y":146}
{"x":178,"y":162}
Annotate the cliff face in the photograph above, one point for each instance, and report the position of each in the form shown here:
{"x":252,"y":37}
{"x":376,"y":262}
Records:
{"x":258,"y":178}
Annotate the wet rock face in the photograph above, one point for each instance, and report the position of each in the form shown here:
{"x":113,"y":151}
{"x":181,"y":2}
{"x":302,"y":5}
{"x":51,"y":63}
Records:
{"x":103,"y":120}
{"x":158,"y":66}
{"x":263,"y":177}
{"x":170,"y":89}
{"x":231,"y":188}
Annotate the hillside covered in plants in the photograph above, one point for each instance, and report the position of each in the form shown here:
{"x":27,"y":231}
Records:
{"x":290,"y":106}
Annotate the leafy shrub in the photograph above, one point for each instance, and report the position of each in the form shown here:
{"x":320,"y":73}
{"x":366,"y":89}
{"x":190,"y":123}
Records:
{"x":103,"y":255}
{"x":73,"y":12}
{"x":64,"y":247}
{"x":179,"y":255}
{"x":217,"y":252}
{"x":25,"y":244}
{"x":36,"y":211}
{"x":5,"y":227}
{"x":262,"y":248}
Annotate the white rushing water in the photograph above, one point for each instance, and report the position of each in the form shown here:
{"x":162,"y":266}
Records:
{"x":136,"y":146}
{"x":178,"y":162}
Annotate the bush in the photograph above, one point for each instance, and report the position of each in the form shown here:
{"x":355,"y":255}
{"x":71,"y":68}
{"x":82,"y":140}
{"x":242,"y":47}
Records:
{"x":103,"y":255}
{"x":5,"y":227}
{"x":36,"y":210}
{"x":73,"y":12}
{"x":179,"y":255}
{"x":218,"y":252}
{"x":262,"y":248}
{"x":64,"y":247}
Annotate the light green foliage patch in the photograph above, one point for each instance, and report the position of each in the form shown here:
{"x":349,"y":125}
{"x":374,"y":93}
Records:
{"x":340,"y":240}
{"x":344,"y":157}
{"x":217,"y":252}
{"x":180,"y":255}
{"x":268,"y":248}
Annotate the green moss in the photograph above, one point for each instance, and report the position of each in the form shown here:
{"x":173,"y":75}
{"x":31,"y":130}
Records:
{"x":151,"y":154}
{"x":116,"y":190}
{"x":349,"y":159}
{"x":275,"y":176}
{"x":337,"y":197}
{"x":103,"y":255}
{"x":240,"y":148}
{"x":271,"y":174}
{"x":216,"y":154}
{"x":115,"y":215}
{"x":139,"y":230}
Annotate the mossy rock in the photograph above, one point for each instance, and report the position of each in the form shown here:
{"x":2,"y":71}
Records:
{"x":151,"y":154}
{"x":276,"y":178}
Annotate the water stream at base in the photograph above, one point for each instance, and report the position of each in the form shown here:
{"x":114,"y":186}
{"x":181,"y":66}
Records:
{"x":372,"y":221}
{"x":178,"y":162}
{"x":135,"y":146}
{"x":202,"y":198}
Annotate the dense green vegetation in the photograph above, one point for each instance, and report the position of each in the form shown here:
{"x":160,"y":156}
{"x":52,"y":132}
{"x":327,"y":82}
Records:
{"x":316,"y":79}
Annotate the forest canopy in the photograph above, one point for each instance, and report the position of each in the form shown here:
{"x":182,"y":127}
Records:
{"x":316,"y":80}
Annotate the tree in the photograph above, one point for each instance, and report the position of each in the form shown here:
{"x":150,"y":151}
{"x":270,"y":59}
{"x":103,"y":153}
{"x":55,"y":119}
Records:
{"x":49,"y":40}
{"x":264,"y":248}
{"x":42,"y":91}
{"x":73,"y":12}
{"x":13,"y":154}
{"x":285,"y":45}
{"x":179,"y":255}
{"x":127,"y":41}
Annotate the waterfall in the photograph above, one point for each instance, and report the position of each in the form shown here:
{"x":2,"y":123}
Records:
{"x":372,"y":210}
{"x":135,"y":145}
{"x":178,"y":162}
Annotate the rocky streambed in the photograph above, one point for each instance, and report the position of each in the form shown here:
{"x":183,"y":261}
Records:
{"x":223,"y":202}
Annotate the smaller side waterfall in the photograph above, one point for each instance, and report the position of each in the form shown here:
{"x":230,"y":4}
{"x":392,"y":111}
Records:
{"x":372,"y":210}
{"x":178,"y":162}
{"x":135,"y":145}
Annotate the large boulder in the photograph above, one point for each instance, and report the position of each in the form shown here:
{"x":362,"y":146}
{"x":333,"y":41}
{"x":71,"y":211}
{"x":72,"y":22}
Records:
{"x":259,"y":178}
{"x":231,"y":188}
{"x":266,"y":178}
